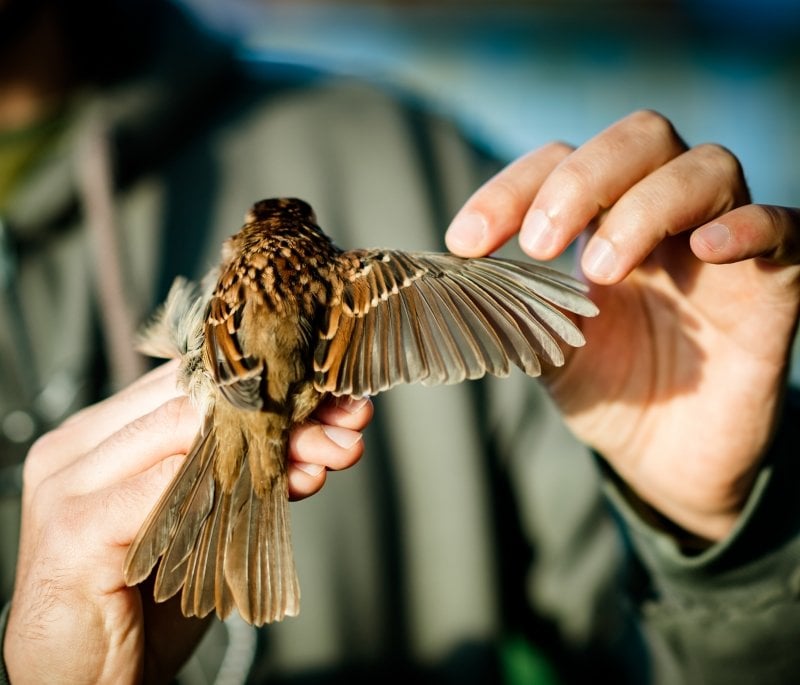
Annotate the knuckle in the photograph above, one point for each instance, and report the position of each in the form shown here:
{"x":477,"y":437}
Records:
{"x":721,"y":158}
{"x":783,"y":239}
{"x":719,"y":162}
{"x":641,"y":208}
{"x":38,"y":463}
{"x":556,"y":150}
{"x":166,"y":419}
{"x":49,"y":508}
{"x":654,"y":124}
{"x":501,"y":192}
{"x":576,"y":179}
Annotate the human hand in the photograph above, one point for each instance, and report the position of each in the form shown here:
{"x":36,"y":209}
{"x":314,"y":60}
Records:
{"x":88,"y":486}
{"x":680,"y":382}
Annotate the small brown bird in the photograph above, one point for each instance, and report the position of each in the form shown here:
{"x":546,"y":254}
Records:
{"x":290,"y":319}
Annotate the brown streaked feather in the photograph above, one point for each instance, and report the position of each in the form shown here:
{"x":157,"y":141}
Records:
{"x":205,"y":588}
{"x":512,"y":345}
{"x":472,"y":338}
{"x":536,"y":338}
{"x":485,"y":332}
{"x":237,"y":374}
{"x":261,"y":572}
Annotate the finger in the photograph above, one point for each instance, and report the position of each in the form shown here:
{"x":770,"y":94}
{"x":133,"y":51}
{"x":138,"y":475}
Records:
{"x":90,"y":426}
{"x":495,"y":211}
{"x":168,"y":430}
{"x":304,"y":483}
{"x":331,"y":447}
{"x":120,"y":509}
{"x":687,"y":191}
{"x":594,"y":177}
{"x":752,"y":231}
{"x":315,"y":448}
{"x":346,"y":412}
{"x":93,"y":531}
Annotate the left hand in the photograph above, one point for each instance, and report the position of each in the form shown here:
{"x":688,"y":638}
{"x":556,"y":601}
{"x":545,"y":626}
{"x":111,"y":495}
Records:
{"x":680,"y":383}
{"x":88,"y":486}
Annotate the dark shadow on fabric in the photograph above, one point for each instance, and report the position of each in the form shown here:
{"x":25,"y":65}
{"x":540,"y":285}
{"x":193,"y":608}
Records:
{"x":515,"y":557}
{"x":468,"y":664}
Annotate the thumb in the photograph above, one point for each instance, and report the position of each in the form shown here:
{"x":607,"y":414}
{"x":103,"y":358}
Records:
{"x":116,"y":514}
{"x":127,"y":504}
{"x":764,"y":231}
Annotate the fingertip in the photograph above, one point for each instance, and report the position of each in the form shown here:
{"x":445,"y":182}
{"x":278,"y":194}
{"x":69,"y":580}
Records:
{"x":333,"y":447}
{"x":496,"y":211}
{"x":354,"y":413}
{"x":537,"y":236}
{"x":305,"y":479}
{"x":600,"y":261}
{"x":712,"y":242}
{"x":467,"y":235}
{"x":343,"y":438}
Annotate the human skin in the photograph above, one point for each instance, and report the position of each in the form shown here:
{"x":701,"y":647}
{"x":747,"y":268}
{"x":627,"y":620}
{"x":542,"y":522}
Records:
{"x":678,"y":387}
{"x":88,"y":486}
{"x":680,"y":383}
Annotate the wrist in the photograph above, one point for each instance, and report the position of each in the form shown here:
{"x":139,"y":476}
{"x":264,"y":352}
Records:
{"x":695,"y":521}
{"x":766,"y":516}
{"x":688,"y":539}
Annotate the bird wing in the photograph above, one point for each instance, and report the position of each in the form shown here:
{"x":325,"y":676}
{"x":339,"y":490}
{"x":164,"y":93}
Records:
{"x":435,"y":318}
{"x":238,"y":376}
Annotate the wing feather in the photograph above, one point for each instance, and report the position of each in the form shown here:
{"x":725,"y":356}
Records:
{"x":536,"y":336}
{"x":237,"y":375}
{"x":435,"y":318}
{"x":514,"y":345}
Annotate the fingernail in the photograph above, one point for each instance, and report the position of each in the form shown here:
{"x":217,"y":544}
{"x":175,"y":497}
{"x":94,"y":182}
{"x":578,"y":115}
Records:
{"x":343,"y":437}
{"x":714,"y":237}
{"x":467,"y":231}
{"x":536,"y":235}
{"x":311,"y":469}
{"x":599,"y":259}
{"x":351,"y":404}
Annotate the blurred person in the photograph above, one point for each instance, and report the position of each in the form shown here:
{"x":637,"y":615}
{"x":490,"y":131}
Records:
{"x":634,"y":515}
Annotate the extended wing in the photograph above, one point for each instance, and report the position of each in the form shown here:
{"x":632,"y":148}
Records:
{"x":436,"y":318}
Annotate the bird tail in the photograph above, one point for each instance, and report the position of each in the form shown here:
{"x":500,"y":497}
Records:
{"x":223,"y":549}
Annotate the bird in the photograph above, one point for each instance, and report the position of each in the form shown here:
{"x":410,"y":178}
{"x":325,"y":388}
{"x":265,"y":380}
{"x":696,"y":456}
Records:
{"x":286,"y":319}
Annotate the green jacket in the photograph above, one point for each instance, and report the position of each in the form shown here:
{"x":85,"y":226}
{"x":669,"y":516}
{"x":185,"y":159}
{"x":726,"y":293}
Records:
{"x":477,"y":540}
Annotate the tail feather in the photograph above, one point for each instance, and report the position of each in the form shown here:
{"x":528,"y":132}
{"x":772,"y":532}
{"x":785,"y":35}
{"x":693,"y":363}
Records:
{"x":260,"y":564}
{"x":224,"y":550}
{"x":155,"y":534}
{"x":191,"y":515}
{"x":204,"y":584}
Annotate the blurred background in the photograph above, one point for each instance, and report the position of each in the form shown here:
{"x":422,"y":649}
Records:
{"x":519,"y":74}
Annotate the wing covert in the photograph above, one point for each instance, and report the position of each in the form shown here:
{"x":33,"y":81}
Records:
{"x":238,"y":376}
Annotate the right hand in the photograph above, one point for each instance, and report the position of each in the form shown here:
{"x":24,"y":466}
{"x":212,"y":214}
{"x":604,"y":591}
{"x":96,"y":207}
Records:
{"x":680,"y":384}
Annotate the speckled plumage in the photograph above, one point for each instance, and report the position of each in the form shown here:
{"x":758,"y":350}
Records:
{"x":289,"y":319}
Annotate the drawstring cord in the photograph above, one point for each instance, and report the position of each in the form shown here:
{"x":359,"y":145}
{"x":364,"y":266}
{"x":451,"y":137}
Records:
{"x":96,"y":188}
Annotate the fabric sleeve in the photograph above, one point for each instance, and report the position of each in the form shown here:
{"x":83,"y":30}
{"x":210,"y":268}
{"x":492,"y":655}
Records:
{"x":729,"y":613}
{"x":3,"y":623}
